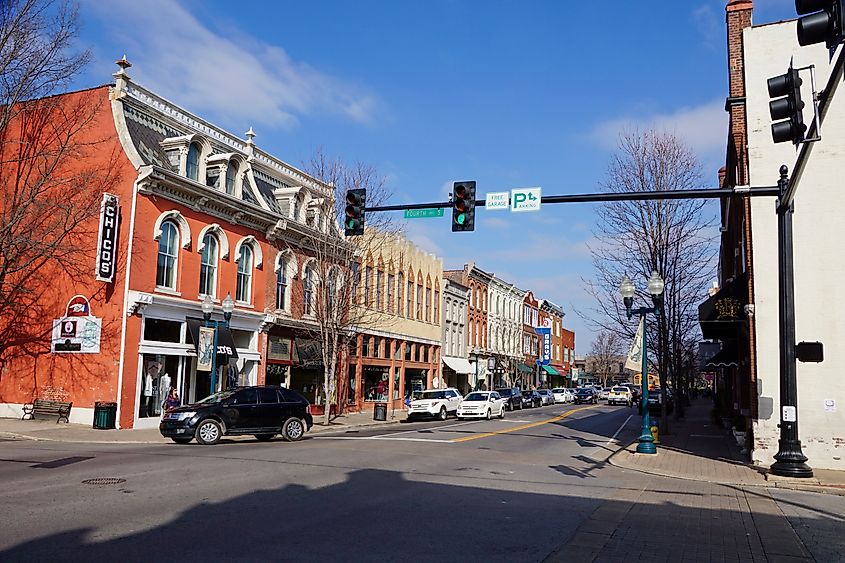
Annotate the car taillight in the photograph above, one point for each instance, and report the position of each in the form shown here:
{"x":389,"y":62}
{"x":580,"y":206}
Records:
{"x":308,"y":409}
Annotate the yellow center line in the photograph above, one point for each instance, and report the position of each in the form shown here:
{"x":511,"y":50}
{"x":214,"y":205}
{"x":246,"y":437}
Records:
{"x":523,"y":427}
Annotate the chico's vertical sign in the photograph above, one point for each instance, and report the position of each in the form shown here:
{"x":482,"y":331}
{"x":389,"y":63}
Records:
{"x":107,"y":239}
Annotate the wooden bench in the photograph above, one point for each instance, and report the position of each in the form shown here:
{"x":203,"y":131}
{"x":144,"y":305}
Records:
{"x":52,"y":408}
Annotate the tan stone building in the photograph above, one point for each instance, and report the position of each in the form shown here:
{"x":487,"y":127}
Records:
{"x":398,"y":351}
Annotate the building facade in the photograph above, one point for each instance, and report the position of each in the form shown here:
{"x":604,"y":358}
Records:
{"x":743,"y":313}
{"x":528,"y":370}
{"x":397,"y":353}
{"x":202,"y":216}
{"x":551,"y":315}
{"x":505,"y":330}
{"x":458,"y":372}
{"x":478,"y":282}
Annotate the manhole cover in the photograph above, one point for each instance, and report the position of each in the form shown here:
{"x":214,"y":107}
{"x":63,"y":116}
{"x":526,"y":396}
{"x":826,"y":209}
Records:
{"x":104,"y":481}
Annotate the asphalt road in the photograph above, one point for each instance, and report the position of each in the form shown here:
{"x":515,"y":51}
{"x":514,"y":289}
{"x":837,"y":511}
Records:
{"x":500,"y":490}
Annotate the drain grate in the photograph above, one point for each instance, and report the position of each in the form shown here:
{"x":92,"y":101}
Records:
{"x":104,"y":481}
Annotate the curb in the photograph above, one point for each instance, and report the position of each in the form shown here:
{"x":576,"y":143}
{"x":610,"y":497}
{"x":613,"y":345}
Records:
{"x":778,"y":483}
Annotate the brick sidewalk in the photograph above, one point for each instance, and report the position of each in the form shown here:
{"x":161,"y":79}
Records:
{"x":698,"y":450}
{"x":48,"y":430}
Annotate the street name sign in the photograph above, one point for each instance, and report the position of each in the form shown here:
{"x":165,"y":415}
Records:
{"x":497,"y":200}
{"x":423,"y":213}
{"x":525,"y":199}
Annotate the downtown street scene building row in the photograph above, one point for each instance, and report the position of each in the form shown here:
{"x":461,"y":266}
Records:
{"x":196,"y":254}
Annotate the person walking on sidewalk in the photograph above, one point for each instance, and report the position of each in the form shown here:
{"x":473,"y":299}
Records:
{"x":172,"y":401}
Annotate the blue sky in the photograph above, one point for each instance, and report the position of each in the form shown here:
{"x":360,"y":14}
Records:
{"x":507,"y":93}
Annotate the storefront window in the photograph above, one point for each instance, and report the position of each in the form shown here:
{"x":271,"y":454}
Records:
{"x":161,"y":330}
{"x":396,"y":373}
{"x":350,"y":387}
{"x":376,"y":347}
{"x":276,"y":374}
{"x":415,"y":381}
{"x":160,"y":373}
{"x":376,"y":384}
{"x":365,"y":346}
{"x":408,"y":347}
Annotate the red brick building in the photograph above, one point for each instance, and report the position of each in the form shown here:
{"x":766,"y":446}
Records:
{"x":200,"y":214}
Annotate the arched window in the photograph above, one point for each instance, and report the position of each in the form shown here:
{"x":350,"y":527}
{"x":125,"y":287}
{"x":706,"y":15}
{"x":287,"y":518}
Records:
{"x":208,"y":265}
{"x":281,"y":283}
{"x":243,"y":291}
{"x":192,"y":168}
{"x":308,"y":290}
{"x":168,"y":254}
{"x":231,"y":174}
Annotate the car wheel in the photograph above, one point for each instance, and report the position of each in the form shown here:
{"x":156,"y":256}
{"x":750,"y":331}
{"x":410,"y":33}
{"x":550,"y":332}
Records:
{"x":209,"y":432}
{"x":293,"y":429}
{"x":264,"y":437}
{"x":502,"y":413}
{"x":182,"y":440}
{"x":488,"y":414}
{"x":443,"y":414}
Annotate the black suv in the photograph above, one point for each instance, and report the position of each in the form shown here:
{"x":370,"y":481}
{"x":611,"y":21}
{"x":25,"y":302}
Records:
{"x":512,"y":397}
{"x":260,"y":411}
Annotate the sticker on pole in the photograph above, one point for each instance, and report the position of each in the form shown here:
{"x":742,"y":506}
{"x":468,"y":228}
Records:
{"x":525,"y":199}
{"x":788,"y":414}
{"x":496,"y":200}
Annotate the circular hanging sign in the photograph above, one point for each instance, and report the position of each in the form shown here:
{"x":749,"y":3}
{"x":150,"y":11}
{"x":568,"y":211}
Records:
{"x":78,"y":306}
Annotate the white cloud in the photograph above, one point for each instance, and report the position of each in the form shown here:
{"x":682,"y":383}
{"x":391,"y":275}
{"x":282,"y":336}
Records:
{"x":703,"y":127}
{"x":232,"y":76}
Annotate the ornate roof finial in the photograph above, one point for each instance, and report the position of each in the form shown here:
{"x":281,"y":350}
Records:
{"x":250,"y":145}
{"x":123,"y":63}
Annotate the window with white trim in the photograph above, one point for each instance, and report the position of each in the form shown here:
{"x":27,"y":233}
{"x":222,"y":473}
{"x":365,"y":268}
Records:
{"x":243,"y":291}
{"x":168,"y":255}
{"x":208,"y":265}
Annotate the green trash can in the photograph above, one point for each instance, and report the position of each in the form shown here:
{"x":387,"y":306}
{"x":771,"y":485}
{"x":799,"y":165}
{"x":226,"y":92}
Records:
{"x":105,"y":415}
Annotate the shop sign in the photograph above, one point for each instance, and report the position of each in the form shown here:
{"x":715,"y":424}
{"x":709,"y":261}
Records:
{"x":107,"y":239}
{"x":546,"y":334}
{"x":78,"y":332}
{"x":205,"y":348}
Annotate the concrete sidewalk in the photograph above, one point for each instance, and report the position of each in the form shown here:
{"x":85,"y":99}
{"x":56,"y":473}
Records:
{"x":698,"y":450}
{"x":48,"y":430}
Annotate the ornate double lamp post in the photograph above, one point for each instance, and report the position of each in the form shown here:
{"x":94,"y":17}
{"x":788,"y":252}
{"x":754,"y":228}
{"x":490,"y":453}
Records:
{"x":207,"y":308}
{"x":655,"y":289}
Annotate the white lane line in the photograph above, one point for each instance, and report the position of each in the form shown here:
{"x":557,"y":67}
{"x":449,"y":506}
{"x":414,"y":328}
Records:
{"x":381,"y":439}
{"x":613,"y":438}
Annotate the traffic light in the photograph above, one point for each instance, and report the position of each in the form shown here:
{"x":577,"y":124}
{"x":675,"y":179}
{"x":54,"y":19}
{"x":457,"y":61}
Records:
{"x":463,"y":206}
{"x":356,"y":201}
{"x":825,"y":22}
{"x":788,"y":106}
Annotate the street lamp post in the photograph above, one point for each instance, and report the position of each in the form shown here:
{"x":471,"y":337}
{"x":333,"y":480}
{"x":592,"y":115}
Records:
{"x":655,"y":289}
{"x":207,"y":308}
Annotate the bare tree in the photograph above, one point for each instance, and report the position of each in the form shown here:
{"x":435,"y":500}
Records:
{"x":605,"y":354}
{"x":333,"y":294}
{"x":53,"y":169}
{"x":673,"y":237}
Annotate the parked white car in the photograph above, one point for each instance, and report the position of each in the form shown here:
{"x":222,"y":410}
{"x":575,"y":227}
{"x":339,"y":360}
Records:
{"x":563,"y":395}
{"x":482,"y":404}
{"x":435,"y":403}
{"x":619,"y":395}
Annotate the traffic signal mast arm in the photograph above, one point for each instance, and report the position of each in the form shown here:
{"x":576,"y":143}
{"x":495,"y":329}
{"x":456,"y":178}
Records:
{"x":601,"y":197}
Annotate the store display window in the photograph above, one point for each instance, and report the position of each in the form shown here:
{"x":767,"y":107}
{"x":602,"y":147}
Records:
{"x":376,"y":384}
{"x":160,"y":373}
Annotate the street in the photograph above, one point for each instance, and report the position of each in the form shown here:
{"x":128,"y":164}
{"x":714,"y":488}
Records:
{"x":535,"y":485}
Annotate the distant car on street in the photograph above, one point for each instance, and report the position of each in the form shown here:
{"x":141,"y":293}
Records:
{"x":562,"y":395}
{"x":604,"y":392}
{"x":619,"y":395}
{"x":262,"y":411}
{"x":531,"y":399}
{"x":512,"y":397}
{"x":586,"y":395}
{"x":548,"y":398}
{"x":435,"y":403}
{"x":482,"y":404}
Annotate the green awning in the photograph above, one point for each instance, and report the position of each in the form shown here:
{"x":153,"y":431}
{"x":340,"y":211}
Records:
{"x":550,"y":370}
{"x":524,"y":369}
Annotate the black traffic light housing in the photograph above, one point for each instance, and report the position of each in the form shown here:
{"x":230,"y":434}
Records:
{"x":788,"y":106}
{"x":463,"y":206}
{"x":356,"y":204}
{"x":825,"y":21}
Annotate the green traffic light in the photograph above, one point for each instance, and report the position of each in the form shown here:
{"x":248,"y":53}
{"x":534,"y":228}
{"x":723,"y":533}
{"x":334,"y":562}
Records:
{"x":461,"y":219}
